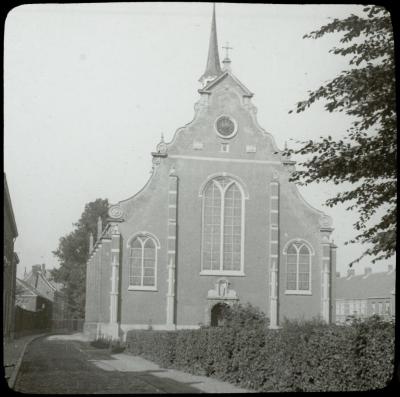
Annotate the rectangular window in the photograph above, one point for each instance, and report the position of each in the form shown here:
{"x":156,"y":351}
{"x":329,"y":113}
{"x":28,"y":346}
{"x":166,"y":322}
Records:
{"x":225,"y":147}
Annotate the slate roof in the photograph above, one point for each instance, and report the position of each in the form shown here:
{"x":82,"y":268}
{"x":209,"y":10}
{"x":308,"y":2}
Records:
{"x":373,"y":285}
{"x":29,"y":288}
{"x":30,"y":279}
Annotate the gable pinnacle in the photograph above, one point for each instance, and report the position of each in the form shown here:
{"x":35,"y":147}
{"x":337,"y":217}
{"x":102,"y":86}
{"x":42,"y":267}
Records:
{"x":213,"y":67}
{"x":99,"y":227}
{"x":90,"y":243}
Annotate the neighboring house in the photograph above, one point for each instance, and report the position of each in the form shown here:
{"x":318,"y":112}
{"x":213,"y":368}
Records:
{"x":33,"y":311}
{"x":10,"y":261}
{"x":364,"y":295}
{"x":39,"y":278}
{"x":218,"y":222}
{"x":31,"y":299}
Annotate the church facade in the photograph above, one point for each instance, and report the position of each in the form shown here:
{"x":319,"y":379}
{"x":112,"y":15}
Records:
{"x":218,"y":222}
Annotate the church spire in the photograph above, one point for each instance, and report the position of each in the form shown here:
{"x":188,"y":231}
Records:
{"x":213,"y":67}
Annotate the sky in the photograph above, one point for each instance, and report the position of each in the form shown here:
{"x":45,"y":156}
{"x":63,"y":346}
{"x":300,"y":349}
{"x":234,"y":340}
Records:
{"x":90,"y":88}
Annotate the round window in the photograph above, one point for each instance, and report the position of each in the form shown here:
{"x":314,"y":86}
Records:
{"x":225,"y":126}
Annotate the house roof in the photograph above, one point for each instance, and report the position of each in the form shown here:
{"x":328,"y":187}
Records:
{"x":363,"y":286}
{"x":52,"y":285}
{"x":29,"y":288}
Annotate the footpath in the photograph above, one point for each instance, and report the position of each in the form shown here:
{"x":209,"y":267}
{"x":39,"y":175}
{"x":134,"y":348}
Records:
{"x":128,"y":363}
{"x":13,"y":352}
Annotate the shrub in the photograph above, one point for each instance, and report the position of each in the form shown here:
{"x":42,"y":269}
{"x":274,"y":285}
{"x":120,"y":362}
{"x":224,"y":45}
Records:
{"x":302,"y":356}
{"x":157,"y":346}
{"x":243,"y":316}
{"x":117,"y":347}
{"x":101,"y":343}
{"x":114,"y":346}
{"x":374,"y":353}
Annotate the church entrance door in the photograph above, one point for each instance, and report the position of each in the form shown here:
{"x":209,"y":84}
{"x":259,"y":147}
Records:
{"x":217,"y":314}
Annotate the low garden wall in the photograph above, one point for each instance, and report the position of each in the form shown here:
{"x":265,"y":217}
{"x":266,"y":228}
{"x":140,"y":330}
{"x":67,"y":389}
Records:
{"x":302,"y":356}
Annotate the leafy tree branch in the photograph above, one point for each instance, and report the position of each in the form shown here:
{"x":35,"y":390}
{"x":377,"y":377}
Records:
{"x":73,"y":253}
{"x":366,"y":156}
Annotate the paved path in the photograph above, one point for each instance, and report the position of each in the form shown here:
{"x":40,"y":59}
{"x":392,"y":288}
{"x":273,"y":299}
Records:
{"x":13,"y":350}
{"x":68,"y":364}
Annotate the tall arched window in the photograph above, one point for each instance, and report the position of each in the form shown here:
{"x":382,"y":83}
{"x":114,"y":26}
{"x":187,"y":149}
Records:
{"x":142,"y":262}
{"x":298,"y":267}
{"x":223,"y":208}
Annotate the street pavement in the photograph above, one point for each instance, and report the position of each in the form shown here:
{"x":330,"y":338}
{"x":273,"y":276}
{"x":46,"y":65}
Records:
{"x":70,"y":365}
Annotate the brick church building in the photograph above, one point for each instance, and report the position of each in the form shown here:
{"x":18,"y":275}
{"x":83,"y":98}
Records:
{"x":218,"y":222}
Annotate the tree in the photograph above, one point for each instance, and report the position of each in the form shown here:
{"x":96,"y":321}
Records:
{"x":366,"y":156}
{"x":73,"y":253}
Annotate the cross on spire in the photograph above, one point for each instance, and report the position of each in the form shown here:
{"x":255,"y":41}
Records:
{"x":227,"y":48}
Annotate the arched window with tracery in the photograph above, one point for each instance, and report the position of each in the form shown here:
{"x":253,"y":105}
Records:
{"x":142,"y":262}
{"x":223,"y":216}
{"x":298,"y":267}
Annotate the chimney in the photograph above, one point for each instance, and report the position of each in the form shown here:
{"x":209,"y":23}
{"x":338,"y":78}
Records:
{"x":367,"y":271}
{"x":36,"y":268}
{"x":43,"y":267}
{"x":337,"y":274}
{"x":350,"y":273}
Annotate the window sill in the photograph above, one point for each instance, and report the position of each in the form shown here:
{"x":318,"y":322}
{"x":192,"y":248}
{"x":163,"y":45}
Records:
{"x":297,"y":292}
{"x":140,"y":288}
{"x":221,"y":273}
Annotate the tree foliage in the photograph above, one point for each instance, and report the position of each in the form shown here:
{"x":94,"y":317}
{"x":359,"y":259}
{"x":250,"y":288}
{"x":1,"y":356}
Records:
{"x":73,"y":252}
{"x":366,"y":156}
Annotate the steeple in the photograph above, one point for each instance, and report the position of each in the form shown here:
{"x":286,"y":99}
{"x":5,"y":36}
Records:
{"x":213,"y":68}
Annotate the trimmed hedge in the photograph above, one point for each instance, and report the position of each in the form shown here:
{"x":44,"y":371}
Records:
{"x":114,"y":346}
{"x":302,"y":356}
